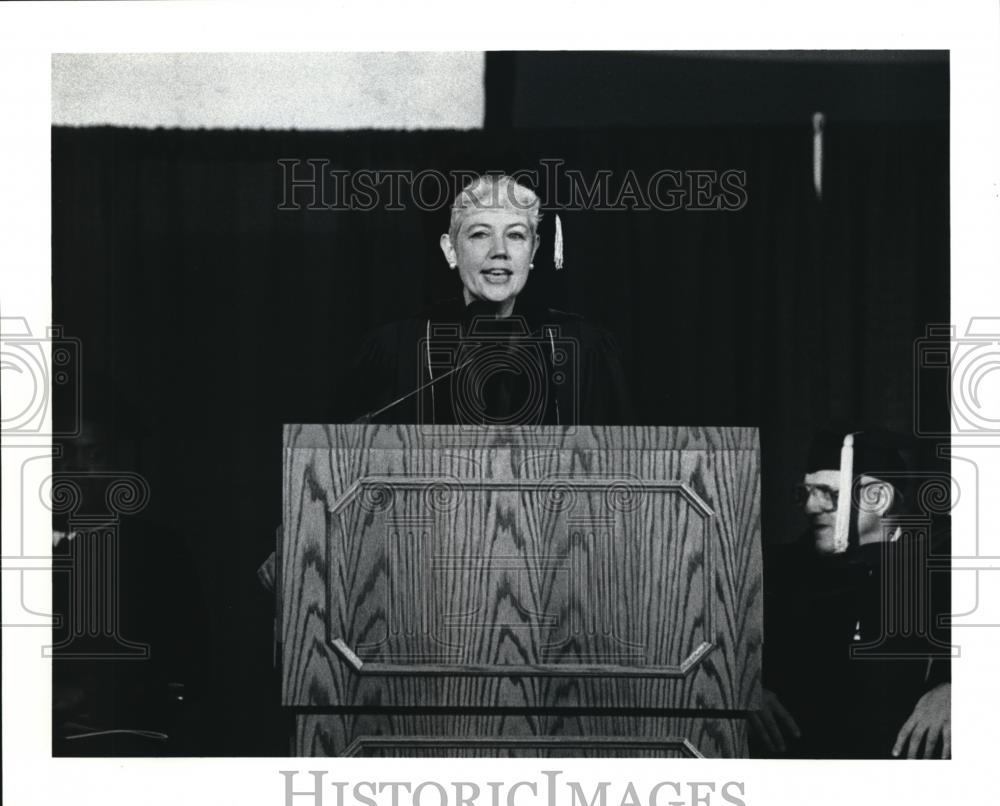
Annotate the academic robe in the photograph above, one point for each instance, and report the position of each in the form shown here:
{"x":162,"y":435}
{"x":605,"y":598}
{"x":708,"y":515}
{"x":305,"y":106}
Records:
{"x":459,"y":365}
{"x":151,"y":596}
{"x":880,"y":600}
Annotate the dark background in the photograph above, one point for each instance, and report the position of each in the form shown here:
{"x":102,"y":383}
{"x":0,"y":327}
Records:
{"x":208,"y":317}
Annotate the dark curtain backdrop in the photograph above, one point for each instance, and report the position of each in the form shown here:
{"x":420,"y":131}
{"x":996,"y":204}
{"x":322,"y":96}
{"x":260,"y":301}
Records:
{"x":215,"y":317}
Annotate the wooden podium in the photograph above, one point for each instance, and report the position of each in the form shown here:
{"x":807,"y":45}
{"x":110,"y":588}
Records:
{"x":520,"y":591}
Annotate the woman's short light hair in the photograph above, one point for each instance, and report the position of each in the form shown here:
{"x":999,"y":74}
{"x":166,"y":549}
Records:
{"x":495,"y":190}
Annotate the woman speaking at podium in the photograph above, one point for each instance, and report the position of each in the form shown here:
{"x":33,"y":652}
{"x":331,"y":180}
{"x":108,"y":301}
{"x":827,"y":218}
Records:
{"x":490,"y":357}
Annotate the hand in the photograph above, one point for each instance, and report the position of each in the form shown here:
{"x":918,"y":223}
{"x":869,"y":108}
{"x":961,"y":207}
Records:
{"x":930,"y":724}
{"x":266,"y":572}
{"x":772,"y":723}
{"x":58,"y":537}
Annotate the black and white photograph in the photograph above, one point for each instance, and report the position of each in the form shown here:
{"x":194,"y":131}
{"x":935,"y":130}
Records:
{"x":515,"y":403}
{"x":504,"y":393}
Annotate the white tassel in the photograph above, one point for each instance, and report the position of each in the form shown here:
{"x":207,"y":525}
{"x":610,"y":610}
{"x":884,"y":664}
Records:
{"x":819,"y":121}
{"x":842,"y":526}
{"x":557,"y":248}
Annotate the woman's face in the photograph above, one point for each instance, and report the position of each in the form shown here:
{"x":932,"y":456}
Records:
{"x":493,"y":252}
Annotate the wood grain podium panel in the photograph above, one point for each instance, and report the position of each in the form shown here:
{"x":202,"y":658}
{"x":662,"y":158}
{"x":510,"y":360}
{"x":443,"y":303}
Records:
{"x":532,"y":576}
{"x":523,"y":736}
{"x":521,"y":567}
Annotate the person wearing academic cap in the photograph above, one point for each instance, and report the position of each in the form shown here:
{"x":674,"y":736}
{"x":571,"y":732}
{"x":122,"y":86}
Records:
{"x":491,"y":356}
{"x":856,"y":664}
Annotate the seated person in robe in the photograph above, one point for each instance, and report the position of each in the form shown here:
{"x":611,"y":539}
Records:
{"x":856,"y":663}
{"x":131,"y":653}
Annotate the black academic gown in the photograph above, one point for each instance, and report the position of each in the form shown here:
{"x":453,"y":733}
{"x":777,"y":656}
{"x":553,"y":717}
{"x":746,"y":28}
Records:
{"x":541,"y":366}
{"x":820,"y":609}
{"x":147,"y":668}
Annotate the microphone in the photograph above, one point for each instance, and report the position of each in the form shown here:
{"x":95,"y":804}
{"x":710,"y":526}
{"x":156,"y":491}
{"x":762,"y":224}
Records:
{"x":519,"y":324}
{"x":366,"y":418}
